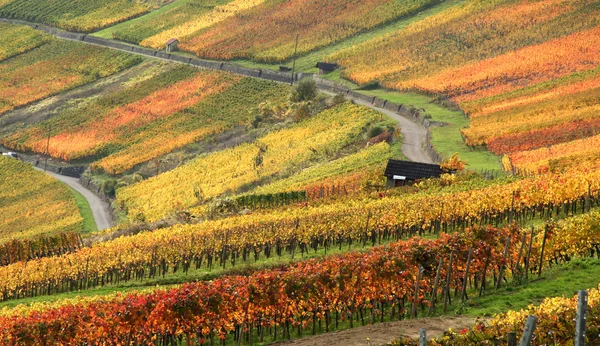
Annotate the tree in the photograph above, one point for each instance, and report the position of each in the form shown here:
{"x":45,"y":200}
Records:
{"x":306,"y":90}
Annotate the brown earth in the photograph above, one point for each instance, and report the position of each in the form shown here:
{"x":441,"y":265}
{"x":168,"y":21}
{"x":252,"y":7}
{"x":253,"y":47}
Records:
{"x":384,"y":333}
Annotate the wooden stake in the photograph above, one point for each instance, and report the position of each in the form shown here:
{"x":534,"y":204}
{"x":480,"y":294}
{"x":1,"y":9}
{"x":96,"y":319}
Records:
{"x":502,"y":266}
{"x":485,"y":267}
{"x":512,"y":339}
{"x":528,"y":257}
{"x":447,"y":285}
{"x":413,"y":310}
{"x":435,"y":286}
{"x":542,"y":254}
{"x":520,"y":251}
{"x":582,"y":301}
{"x":464,"y":286}
{"x":528,"y":332}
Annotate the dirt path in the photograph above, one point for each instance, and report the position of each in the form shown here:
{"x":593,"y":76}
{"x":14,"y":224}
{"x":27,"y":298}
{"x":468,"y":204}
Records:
{"x":384,"y":333}
{"x":100,"y":209}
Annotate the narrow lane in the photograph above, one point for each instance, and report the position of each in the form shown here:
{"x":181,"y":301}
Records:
{"x":100,"y":209}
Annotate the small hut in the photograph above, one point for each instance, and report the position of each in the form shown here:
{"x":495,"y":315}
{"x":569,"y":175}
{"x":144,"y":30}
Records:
{"x":172,"y":45}
{"x":401,"y":173}
{"x":325,"y":67}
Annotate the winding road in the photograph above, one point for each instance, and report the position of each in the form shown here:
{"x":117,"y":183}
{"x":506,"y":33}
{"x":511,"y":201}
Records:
{"x":100,"y":209}
{"x":414,"y":134}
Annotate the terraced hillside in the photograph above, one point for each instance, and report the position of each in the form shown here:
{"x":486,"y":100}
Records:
{"x":41,"y":66}
{"x":253,"y":212}
{"x":78,"y":15}
{"x":521,"y":78}
{"x":169,"y":109}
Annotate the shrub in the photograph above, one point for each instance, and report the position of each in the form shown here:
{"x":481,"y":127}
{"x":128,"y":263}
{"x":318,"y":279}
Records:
{"x":375,"y":131}
{"x":306,"y":90}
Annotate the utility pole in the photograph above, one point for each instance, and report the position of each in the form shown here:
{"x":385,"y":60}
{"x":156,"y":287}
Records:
{"x":294,"y":63}
{"x":47,"y":148}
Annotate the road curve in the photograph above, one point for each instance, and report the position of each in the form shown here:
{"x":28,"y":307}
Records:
{"x":414,"y":134}
{"x":100,"y":209}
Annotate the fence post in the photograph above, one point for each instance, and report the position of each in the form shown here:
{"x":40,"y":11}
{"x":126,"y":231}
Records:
{"x":528,"y":332}
{"x":512,"y":339}
{"x":423,"y":337}
{"x":582,"y":301}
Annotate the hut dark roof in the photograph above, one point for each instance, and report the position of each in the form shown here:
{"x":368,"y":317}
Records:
{"x":412,"y":170}
{"x":325,"y":66}
{"x":173,"y":40}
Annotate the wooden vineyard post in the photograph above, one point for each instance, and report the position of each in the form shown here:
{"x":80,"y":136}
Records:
{"x":447,"y":285}
{"x":520,"y":252}
{"x":485,"y":267}
{"x":582,"y":301}
{"x":512,"y":339}
{"x":528,"y":332}
{"x":413,"y":310}
{"x":464,"y":285}
{"x":503,"y":265}
{"x":435,"y":286}
{"x":542,"y":254}
{"x":528,"y":256}
{"x":423,"y":337}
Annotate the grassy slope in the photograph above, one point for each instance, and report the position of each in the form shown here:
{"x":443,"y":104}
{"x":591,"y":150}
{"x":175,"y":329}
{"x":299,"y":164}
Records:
{"x":446,"y":139}
{"x":560,"y":281}
{"x":89,"y":223}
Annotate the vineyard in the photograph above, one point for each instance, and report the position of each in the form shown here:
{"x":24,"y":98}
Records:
{"x":267,"y":32}
{"x":555,"y":326}
{"x":38,"y":214}
{"x":55,"y":67}
{"x":170,"y":110}
{"x":525,"y":73}
{"x":278,"y":153}
{"x":251,"y":212}
{"x":398,"y":281}
{"x":340,"y":222}
{"x":16,"y":39}
{"x":77,"y":15}
{"x":178,"y":14}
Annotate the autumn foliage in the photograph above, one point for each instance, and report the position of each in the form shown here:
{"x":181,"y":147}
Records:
{"x":77,"y":15}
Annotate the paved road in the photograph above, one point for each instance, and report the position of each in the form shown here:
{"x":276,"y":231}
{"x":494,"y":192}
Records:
{"x":100,"y":209}
{"x":414,"y":134}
